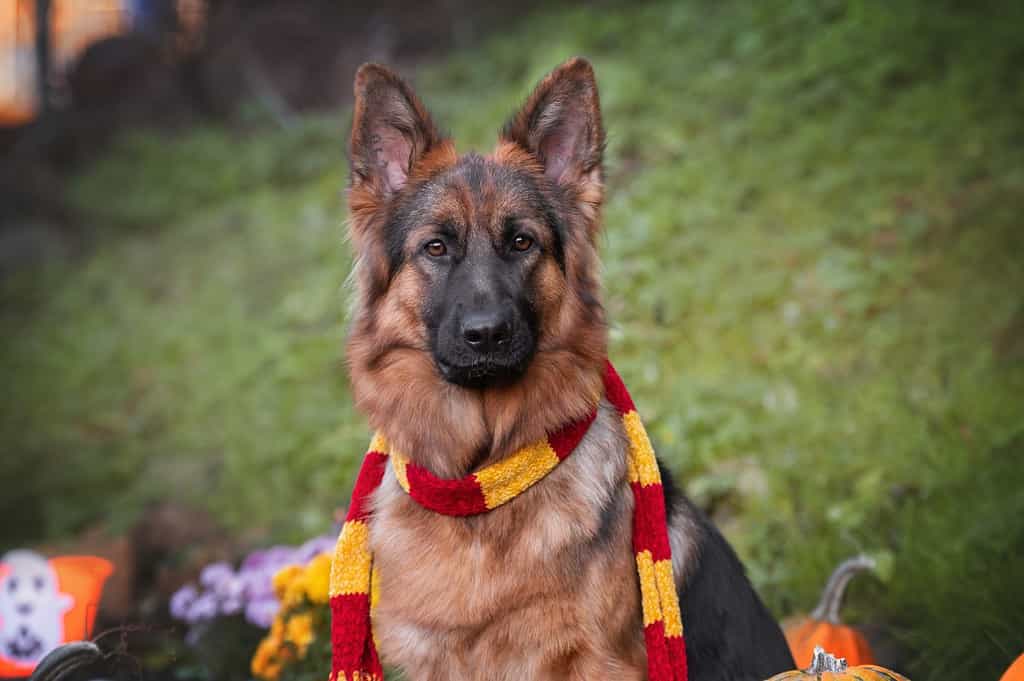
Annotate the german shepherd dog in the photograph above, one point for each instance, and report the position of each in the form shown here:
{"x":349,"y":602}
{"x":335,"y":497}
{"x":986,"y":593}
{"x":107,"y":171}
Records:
{"x":478,"y":328}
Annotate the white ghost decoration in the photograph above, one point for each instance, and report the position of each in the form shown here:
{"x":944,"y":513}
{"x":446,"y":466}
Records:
{"x":31,"y":607}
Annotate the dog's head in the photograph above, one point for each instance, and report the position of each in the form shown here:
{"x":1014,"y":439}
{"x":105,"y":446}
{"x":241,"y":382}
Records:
{"x":473,"y":267}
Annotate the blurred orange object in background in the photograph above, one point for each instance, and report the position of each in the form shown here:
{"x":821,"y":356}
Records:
{"x":75,"y":24}
{"x":44,"y":603}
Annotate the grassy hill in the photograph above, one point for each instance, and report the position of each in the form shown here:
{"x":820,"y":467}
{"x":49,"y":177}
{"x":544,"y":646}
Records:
{"x":814,"y":266}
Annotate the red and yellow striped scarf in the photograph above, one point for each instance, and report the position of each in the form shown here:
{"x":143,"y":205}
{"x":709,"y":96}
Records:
{"x":354,"y":587}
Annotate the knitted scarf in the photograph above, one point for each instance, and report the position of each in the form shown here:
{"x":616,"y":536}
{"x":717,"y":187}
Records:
{"x":355,"y":587}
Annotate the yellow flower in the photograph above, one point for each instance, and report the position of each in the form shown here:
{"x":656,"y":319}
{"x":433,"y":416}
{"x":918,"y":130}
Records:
{"x":283,"y":579}
{"x":317,"y":578}
{"x":290,"y":636}
{"x":271,"y":654}
{"x":294,"y":593}
{"x":290,"y":586}
{"x":264,"y":665}
{"x":299,"y":631}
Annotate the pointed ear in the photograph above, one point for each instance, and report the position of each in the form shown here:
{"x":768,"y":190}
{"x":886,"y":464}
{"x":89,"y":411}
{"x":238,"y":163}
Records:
{"x":391,"y":130}
{"x":560,"y":124}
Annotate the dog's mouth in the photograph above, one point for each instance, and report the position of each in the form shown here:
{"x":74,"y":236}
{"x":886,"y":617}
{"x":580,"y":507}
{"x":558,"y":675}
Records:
{"x":480,"y":374}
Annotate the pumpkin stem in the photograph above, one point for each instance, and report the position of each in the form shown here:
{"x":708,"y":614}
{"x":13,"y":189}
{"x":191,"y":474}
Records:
{"x":827,"y":609}
{"x":822,"y":662}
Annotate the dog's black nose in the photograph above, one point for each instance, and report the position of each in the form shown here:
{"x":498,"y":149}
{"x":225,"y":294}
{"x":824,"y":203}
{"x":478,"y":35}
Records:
{"x":486,"y":331}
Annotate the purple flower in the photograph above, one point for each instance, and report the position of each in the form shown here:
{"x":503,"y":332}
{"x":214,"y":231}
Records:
{"x":214,"y":574}
{"x":261,"y":612}
{"x":254,"y":561}
{"x":255,"y":584}
{"x":314,"y":547}
{"x":270,"y":559}
{"x":202,"y":608}
{"x":182,"y":601}
{"x":231,"y":606}
{"x":195,"y":634}
{"x":223,"y":591}
{"x":230,"y":588}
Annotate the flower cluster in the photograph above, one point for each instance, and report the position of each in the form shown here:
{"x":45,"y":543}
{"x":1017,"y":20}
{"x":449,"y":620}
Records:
{"x":303,"y":594}
{"x":250,"y":590}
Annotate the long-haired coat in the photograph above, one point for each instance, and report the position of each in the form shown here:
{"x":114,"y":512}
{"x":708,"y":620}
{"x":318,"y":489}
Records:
{"x":479,"y":329}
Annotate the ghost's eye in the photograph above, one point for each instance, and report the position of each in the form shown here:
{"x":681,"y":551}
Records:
{"x":38,"y":583}
{"x":12,"y":584}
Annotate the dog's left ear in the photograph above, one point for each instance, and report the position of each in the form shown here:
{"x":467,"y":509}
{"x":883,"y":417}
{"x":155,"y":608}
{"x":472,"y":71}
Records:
{"x":560,"y":124}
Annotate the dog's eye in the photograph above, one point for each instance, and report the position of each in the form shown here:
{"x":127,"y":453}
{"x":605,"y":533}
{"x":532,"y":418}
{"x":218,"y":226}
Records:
{"x":522,"y":243}
{"x":435,"y":248}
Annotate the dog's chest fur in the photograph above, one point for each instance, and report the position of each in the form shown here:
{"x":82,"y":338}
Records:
{"x":544,"y":587}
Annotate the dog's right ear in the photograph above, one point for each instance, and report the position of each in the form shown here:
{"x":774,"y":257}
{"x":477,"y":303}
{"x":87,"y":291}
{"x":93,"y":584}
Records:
{"x":391,"y":131}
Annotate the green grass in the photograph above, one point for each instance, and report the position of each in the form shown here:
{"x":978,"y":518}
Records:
{"x":814,"y":265}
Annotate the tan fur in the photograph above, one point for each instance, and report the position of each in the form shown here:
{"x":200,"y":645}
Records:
{"x":527,"y":591}
{"x":544,"y":587}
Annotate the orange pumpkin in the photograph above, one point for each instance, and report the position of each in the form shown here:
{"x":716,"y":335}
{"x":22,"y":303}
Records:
{"x":1015,"y":672}
{"x":825,"y":667}
{"x":823,"y":627}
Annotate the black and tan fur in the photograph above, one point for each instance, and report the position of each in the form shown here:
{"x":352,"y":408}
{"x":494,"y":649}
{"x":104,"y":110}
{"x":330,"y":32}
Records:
{"x":544,"y":587}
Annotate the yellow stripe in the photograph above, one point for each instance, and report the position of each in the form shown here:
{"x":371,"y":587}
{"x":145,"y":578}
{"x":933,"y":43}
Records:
{"x":374,"y":599}
{"x":350,"y":569}
{"x":379,"y":444}
{"x":643,"y":466}
{"x":399,"y":464}
{"x":504,"y":480}
{"x":669,"y":598}
{"x":374,"y":588}
{"x":648,"y":588}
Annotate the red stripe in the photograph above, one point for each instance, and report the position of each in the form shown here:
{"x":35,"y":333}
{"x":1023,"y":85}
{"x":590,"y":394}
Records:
{"x":564,"y":441}
{"x":370,"y":475}
{"x":615,"y":390}
{"x":650,"y":531}
{"x":464,"y":496}
{"x":449,"y":497}
{"x":659,"y":666}
{"x":350,"y":632}
{"x":666,"y":657}
{"x":372,"y":663}
{"x":677,"y":654}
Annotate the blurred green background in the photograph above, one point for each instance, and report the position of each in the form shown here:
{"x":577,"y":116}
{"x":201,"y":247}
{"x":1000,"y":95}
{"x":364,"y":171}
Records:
{"x":814,"y":268}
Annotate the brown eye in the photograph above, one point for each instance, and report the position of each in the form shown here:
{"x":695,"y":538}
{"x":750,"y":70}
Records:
{"x":435,"y":248}
{"x":522,"y":243}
